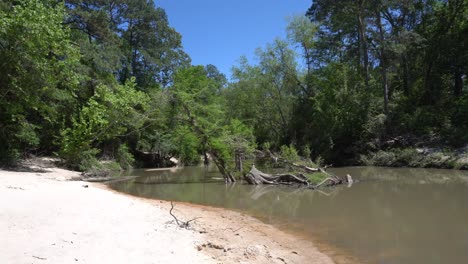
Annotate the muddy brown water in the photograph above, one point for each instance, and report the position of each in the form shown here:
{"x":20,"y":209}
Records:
{"x":392,"y":215}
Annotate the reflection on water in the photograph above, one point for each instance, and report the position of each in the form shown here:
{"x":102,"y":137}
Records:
{"x":390,"y":216}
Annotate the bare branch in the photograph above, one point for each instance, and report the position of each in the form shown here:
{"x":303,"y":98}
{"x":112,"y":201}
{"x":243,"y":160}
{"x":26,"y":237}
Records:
{"x":180,"y":223}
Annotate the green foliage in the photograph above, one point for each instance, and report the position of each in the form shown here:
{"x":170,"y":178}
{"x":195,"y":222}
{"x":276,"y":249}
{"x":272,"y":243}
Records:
{"x":306,"y":152}
{"x":238,"y":137}
{"x":265,"y":94}
{"x":319,"y":162}
{"x":266,"y":146}
{"x":410,"y":157}
{"x":456,"y":132}
{"x":187,"y":145}
{"x":124,"y":157}
{"x":130,"y":37}
{"x":71,"y":75}
{"x":353,"y":54}
{"x":85,"y":160}
{"x":316,"y":177}
{"x":38,"y":83}
{"x":380,"y":158}
{"x":108,"y":79}
{"x":110,"y":113}
{"x":289,"y":153}
{"x":206,"y":128}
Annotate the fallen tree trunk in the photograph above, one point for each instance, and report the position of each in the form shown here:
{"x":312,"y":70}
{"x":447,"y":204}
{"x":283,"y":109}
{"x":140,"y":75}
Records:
{"x":254,"y":176}
{"x":257,"y":177}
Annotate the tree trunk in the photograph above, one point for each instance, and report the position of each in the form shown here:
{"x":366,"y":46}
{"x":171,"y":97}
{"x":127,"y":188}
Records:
{"x":383,"y":62}
{"x":220,"y":163}
{"x":364,"y":56}
{"x":238,"y":161}
{"x":206,"y":161}
{"x":406,"y":81}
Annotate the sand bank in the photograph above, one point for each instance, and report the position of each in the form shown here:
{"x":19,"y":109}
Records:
{"x":46,"y":218}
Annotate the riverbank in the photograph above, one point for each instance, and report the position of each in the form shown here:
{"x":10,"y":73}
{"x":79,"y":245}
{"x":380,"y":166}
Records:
{"x":423,"y":157}
{"x":46,"y":218}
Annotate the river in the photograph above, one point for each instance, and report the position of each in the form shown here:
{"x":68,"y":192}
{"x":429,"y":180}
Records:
{"x":391,"y":215}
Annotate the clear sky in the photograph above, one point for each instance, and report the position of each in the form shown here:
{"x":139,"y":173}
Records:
{"x":218,"y":32}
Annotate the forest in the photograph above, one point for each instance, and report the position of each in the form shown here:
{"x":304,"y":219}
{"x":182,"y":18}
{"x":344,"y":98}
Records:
{"x":355,"y":82}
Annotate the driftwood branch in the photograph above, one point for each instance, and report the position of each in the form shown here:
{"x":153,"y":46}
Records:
{"x":257,"y":177}
{"x":180,"y":223}
{"x":330,"y":181}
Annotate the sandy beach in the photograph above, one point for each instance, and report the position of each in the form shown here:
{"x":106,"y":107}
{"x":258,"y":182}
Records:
{"x":45,"y":217}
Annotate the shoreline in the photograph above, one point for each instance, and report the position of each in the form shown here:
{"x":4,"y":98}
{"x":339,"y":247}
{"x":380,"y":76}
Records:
{"x":276,"y":233}
{"x":46,"y":218}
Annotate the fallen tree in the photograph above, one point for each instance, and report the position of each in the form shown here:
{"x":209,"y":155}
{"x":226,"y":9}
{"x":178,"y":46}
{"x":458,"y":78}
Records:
{"x":256,"y":177}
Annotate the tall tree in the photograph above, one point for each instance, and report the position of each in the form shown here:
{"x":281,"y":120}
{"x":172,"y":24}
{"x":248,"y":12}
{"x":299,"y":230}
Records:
{"x":128,"y":38}
{"x":344,"y":29}
{"x":153,"y":49}
{"x":264,"y":94}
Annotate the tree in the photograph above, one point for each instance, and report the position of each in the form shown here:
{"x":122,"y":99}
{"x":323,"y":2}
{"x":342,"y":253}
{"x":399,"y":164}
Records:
{"x":302,"y":32}
{"x":343,"y":31}
{"x":127,"y":39}
{"x":197,"y":97}
{"x":38,"y":81}
{"x":214,"y":74}
{"x":153,"y":49}
{"x":111,"y":113}
{"x":94,"y":28}
{"x":264,"y":95}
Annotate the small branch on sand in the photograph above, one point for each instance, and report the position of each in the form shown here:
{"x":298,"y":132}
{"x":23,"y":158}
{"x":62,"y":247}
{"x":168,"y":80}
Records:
{"x":180,"y":223}
{"x":39,"y":258}
{"x":15,"y":188}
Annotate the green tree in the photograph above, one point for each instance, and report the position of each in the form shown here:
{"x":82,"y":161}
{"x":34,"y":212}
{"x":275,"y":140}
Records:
{"x":111,"y":113}
{"x":38,"y":81}
{"x":127,"y":39}
{"x":153,"y":50}
{"x":198,"y":99}
{"x":264,"y":95}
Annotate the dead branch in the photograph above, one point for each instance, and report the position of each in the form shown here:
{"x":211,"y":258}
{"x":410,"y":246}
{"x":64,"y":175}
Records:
{"x":180,"y":223}
{"x":330,"y":181}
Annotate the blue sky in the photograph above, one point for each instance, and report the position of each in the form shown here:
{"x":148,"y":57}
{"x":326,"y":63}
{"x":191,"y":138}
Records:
{"x":218,"y":32}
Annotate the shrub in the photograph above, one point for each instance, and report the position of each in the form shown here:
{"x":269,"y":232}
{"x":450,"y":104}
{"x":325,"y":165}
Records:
{"x":289,"y":153}
{"x":85,"y":160}
{"x":316,"y":177}
{"x":124,"y":157}
{"x":380,"y":158}
{"x":306,"y":152}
